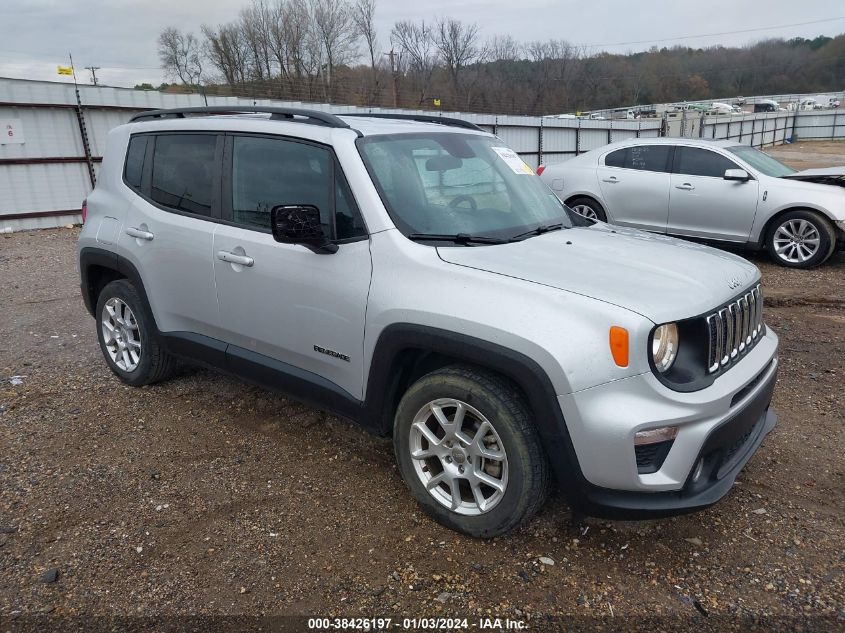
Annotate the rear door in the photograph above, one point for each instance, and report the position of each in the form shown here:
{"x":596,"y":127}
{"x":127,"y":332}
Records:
{"x":289,"y":303}
{"x":169,"y":229}
{"x":703,"y":204}
{"x":634,"y":183}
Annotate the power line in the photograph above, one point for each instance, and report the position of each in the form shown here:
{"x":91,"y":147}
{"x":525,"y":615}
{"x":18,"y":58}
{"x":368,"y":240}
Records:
{"x":688,"y":37}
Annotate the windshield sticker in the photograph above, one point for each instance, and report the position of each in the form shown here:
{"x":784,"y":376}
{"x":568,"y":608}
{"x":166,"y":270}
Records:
{"x":513,"y":160}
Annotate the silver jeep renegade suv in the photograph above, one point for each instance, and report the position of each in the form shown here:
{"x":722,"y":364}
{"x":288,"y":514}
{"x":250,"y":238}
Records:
{"x":414,"y":275}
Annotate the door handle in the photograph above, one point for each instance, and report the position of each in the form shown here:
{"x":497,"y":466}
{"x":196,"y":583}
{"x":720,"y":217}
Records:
{"x":139,"y":233}
{"x":612,"y":180}
{"x":686,"y":187}
{"x":234,"y":258}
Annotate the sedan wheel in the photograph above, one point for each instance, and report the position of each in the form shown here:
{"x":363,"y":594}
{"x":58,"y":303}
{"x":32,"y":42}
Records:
{"x":587,"y":212}
{"x":796,"y":241}
{"x":801,"y":239}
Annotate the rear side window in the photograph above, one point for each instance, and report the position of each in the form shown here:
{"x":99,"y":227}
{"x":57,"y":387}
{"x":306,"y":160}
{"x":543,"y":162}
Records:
{"x":183,"y":172}
{"x":615,"y":159}
{"x":694,"y":161}
{"x":135,"y":161}
{"x":641,"y":158}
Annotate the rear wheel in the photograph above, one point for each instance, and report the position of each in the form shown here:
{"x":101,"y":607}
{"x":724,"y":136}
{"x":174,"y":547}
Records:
{"x":127,"y":336}
{"x":468,"y":451}
{"x":801,"y":239}
{"x":588,"y":208}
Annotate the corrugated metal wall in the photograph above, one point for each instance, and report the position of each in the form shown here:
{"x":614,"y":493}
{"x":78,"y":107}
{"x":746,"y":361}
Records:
{"x":44,"y":180}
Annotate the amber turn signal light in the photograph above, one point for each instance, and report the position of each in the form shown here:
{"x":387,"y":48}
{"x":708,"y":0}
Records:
{"x":619,"y":345}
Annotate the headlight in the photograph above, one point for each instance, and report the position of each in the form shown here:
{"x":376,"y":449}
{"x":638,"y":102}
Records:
{"x":664,"y":346}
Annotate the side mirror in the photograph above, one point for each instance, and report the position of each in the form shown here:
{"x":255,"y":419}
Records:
{"x":300,"y":224}
{"x":737,"y":175}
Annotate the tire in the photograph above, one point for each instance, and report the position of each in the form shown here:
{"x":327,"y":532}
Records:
{"x":812,"y":230}
{"x":515,"y":459}
{"x":588,"y":208}
{"x":122,"y":311}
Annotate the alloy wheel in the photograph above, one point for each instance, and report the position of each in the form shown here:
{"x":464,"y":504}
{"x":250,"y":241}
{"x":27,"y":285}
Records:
{"x":796,"y":241}
{"x":586,"y":211}
{"x":458,"y":456}
{"x":121,"y":335}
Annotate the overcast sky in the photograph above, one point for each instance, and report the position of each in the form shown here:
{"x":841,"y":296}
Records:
{"x":120,"y":35}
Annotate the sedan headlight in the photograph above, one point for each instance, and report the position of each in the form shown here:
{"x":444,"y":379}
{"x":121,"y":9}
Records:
{"x":664,"y":346}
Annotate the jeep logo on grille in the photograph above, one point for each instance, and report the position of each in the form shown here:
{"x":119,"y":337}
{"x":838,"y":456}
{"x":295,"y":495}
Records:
{"x":734,"y":282}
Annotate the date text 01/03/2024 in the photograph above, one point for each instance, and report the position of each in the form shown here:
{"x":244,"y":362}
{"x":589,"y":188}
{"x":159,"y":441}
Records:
{"x":413,"y":624}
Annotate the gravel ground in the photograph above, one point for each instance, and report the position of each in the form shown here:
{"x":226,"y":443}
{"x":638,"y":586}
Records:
{"x":204,"y":495}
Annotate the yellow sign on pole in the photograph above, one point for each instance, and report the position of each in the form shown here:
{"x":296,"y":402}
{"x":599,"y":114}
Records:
{"x":437,"y":103}
{"x":64,"y":70}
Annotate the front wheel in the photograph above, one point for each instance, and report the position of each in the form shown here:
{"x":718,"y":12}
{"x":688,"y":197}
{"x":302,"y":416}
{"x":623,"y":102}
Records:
{"x":801,"y":239}
{"x":468,"y":451}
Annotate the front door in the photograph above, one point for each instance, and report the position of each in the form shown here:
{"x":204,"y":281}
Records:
{"x":703,"y":204}
{"x":284,"y":301}
{"x":634,"y":183}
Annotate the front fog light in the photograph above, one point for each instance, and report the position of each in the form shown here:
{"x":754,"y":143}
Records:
{"x":664,"y":346}
{"x":655,"y":436}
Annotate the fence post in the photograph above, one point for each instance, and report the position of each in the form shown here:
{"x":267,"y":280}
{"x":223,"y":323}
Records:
{"x":833,"y":128}
{"x":794,"y":123}
{"x":540,"y":143}
{"x":578,"y":138}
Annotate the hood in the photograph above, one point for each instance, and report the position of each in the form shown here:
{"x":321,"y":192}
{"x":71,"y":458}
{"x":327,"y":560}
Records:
{"x":824,"y":176}
{"x":659,"y":277}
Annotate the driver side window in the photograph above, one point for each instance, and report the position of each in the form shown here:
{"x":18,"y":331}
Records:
{"x":694,"y":161}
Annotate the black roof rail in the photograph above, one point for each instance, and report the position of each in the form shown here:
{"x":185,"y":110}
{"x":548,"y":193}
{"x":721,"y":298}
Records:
{"x":422,"y":118}
{"x":315,"y":117}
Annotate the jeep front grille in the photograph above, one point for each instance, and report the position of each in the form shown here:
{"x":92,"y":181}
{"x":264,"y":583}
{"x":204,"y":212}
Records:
{"x":734,"y":329}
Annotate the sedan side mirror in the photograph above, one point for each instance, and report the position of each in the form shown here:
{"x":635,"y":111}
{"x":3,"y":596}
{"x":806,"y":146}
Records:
{"x":737,"y":175}
{"x":300,"y":224}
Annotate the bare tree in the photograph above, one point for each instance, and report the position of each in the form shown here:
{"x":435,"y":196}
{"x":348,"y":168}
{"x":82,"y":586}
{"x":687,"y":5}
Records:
{"x":458,"y":45}
{"x":363,"y":14}
{"x":417,"y":51}
{"x":503,"y":48}
{"x":255,"y":21}
{"x":180,"y":56}
{"x":335,"y":29}
{"x":227,"y":51}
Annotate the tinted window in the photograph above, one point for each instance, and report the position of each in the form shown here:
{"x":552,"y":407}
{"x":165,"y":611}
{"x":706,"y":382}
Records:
{"x":693,"y":161}
{"x":135,"y":161}
{"x":641,"y":157}
{"x":271,"y":172}
{"x":183,"y":172}
{"x":615,"y":159}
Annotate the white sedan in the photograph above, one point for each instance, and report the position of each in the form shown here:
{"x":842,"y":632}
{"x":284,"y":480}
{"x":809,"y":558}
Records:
{"x":715,"y":191}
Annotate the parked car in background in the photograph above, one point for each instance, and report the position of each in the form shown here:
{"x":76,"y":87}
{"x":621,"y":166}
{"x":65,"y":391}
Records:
{"x":766,"y":105}
{"x":709,"y":190}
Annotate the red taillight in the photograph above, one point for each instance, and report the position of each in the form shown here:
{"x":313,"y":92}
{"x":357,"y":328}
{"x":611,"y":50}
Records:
{"x":84,"y":210}
{"x":540,"y":170}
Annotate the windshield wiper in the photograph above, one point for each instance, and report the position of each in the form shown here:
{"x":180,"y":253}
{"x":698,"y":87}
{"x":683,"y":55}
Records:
{"x":543,"y":228}
{"x":457,"y":238}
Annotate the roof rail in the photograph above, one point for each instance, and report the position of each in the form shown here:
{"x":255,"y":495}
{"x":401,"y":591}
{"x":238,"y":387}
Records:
{"x":422,"y":118}
{"x":289,"y":114}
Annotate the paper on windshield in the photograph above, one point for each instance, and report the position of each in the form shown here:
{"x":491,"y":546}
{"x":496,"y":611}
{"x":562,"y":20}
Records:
{"x":513,"y":160}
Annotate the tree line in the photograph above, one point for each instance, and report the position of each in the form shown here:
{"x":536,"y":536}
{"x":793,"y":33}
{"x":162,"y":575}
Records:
{"x":330,"y":51}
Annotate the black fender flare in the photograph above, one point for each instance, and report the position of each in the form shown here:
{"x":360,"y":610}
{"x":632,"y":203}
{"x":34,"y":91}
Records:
{"x":90,"y":257}
{"x":524,"y":371}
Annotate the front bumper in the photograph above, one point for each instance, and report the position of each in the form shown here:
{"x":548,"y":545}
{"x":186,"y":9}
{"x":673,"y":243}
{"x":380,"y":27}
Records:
{"x":719,"y":428}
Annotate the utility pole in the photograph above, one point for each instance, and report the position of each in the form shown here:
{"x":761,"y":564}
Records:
{"x":93,"y":70}
{"x":395,"y":73}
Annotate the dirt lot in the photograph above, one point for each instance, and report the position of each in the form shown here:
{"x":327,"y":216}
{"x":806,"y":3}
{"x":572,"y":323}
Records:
{"x":204,"y":495}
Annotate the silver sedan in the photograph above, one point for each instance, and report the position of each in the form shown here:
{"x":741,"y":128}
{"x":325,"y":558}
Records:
{"x":714,"y":191}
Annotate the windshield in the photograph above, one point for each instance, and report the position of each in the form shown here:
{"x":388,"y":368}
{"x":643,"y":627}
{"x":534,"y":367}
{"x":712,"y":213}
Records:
{"x":763,"y":163}
{"x":449,"y":184}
